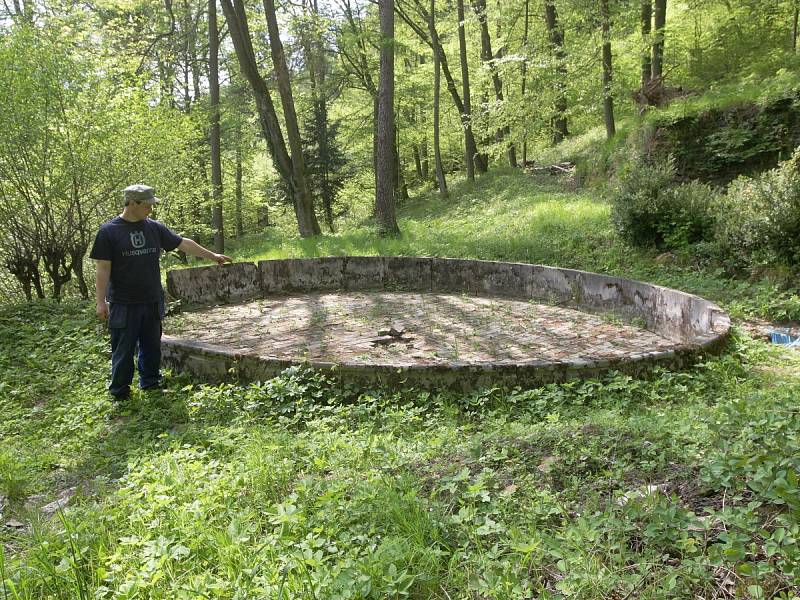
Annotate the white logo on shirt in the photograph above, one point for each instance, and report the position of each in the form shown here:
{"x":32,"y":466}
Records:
{"x":137,"y":239}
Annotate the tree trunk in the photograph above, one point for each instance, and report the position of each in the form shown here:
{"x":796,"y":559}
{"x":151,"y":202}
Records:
{"x":487,"y":56}
{"x":305,"y":199}
{"x":480,"y":162}
{"x":794,"y":27}
{"x":217,"y":222}
{"x":239,"y":196}
{"x":608,"y":98}
{"x":437,"y":80}
{"x":423,"y":150}
{"x":659,"y":21}
{"x":400,"y":188}
{"x":647,"y":22}
{"x":385,"y":147}
{"x":268,"y":118}
{"x":556,"y":37}
{"x":469,"y":153}
{"x":417,"y":162}
{"x":76,"y":264}
{"x":525,"y":78}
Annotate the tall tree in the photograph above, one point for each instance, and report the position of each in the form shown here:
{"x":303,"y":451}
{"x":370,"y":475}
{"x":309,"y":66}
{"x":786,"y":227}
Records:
{"x":236,"y":18}
{"x":556,"y":36}
{"x":217,"y":221}
{"x":385,"y":150}
{"x":355,"y":59}
{"x":479,"y":6}
{"x":646,"y":20}
{"x":437,"y":80}
{"x":525,"y":76}
{"x":795,"y":16}
{"x":659,"y":21}
{"x":608,"y":98}
{"x":319,"y":147}
{"x":404,"y":8}
{"x":469,"y":149}
{"x":289,"y":114}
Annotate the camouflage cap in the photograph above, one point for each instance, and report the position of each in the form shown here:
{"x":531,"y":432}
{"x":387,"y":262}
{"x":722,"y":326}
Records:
{"x":140,"y":193}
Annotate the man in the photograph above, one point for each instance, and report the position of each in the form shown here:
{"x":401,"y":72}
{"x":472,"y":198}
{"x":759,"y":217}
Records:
{"x":128,"y":287}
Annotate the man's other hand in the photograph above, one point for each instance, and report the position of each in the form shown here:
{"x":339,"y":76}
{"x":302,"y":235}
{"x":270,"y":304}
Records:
{"x":221,"y":258}
{"x":102,"y":310}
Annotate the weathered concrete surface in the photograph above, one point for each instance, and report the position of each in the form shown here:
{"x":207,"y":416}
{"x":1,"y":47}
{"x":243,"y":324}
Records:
{"x":690,"y":324}
{"x":214,"y":285}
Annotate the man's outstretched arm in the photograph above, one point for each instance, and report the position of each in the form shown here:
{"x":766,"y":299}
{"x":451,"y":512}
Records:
{"x":197,"y":250}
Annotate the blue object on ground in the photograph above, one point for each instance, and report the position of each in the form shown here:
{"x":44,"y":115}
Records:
{"x":784,"y":337}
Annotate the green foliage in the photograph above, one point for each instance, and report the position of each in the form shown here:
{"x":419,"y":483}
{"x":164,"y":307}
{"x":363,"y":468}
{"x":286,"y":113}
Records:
{"x":638,"y":209}
{"x":325,"y":162}
{"x":13,"y":479}
{"x":297,"y":487}
{"x":718,"y":143}
{"x":759,"y":221}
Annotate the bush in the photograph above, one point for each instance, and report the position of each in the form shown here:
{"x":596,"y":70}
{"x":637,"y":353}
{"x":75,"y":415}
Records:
{"x":688,"y":214}
{"x":759,"y":218}
{"x":647,"y":211}
{"x":635,"y":203}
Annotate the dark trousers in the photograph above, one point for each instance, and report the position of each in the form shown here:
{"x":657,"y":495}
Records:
{"x":133,"y":325}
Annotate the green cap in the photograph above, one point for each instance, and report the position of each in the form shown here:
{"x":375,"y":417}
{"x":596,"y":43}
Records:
{"x":140,"y":193}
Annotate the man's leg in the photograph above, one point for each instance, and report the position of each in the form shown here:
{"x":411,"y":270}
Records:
{"x":123,"y":325}
{"x":150,"y":348}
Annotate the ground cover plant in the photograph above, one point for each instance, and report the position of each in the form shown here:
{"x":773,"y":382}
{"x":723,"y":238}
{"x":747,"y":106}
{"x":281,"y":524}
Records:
{"x":680,"y":485}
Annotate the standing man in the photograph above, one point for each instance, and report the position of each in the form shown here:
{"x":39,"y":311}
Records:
{"x":128,"y":287}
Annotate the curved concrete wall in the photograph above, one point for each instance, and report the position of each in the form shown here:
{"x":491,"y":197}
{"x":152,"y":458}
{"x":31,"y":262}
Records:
{"x":694,"y":324}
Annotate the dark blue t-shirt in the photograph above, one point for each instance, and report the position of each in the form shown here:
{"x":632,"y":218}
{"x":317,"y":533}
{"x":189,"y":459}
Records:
{"x":133,"y":249}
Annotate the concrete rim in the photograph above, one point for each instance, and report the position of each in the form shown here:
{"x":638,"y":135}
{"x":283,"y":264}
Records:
{"x":696,"y":325}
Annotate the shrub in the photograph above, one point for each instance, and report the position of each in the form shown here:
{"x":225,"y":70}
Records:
{"x":687,"y":214}
{"x":648,"y":212}
{"x":759,"y":218}
{"x":635,"y":210}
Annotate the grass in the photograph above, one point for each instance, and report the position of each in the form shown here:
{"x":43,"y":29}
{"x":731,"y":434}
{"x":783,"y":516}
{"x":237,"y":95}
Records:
{"x":681,"y":485}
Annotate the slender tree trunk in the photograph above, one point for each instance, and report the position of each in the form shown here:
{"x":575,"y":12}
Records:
{"x":437,"y":81}
{"x":239,"y":195}
{"x":525,"y":78}
{"x":315,"y":61}
{"x":608,"y":98}
{"x":270,"y":126}
{"x":659,"y":21}
{"x":385,"y":151}
{"x":217,"y":222}
{"x":794,"y":27}
{"x":306,"y":200}
{"x":417,"y":161}
{"x":195,"y":64}
{"x":479,"y":6}
{"x":469,"y":153}
{"x":556,"y":36}
{"x":646,"y":22}
{"x":480,"y":162}
{"x":375,"y":128}
{"x":423,"y":150}
{"x":400,"y":187}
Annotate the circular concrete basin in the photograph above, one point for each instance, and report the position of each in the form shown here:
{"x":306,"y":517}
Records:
{"x":430,"y":322}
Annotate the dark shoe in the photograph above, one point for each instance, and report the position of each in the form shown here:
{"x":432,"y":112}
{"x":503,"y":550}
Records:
{"x":116,"y":398}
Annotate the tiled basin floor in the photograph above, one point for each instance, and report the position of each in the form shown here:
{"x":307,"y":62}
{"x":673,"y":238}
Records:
{"x":430,"y":329}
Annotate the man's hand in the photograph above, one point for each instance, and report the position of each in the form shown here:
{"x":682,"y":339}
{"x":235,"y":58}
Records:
{"x":195,"y":249}
{"x":102,"y":310}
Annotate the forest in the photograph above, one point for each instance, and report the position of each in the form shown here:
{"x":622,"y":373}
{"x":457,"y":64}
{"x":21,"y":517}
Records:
{"x":657,"y":140}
